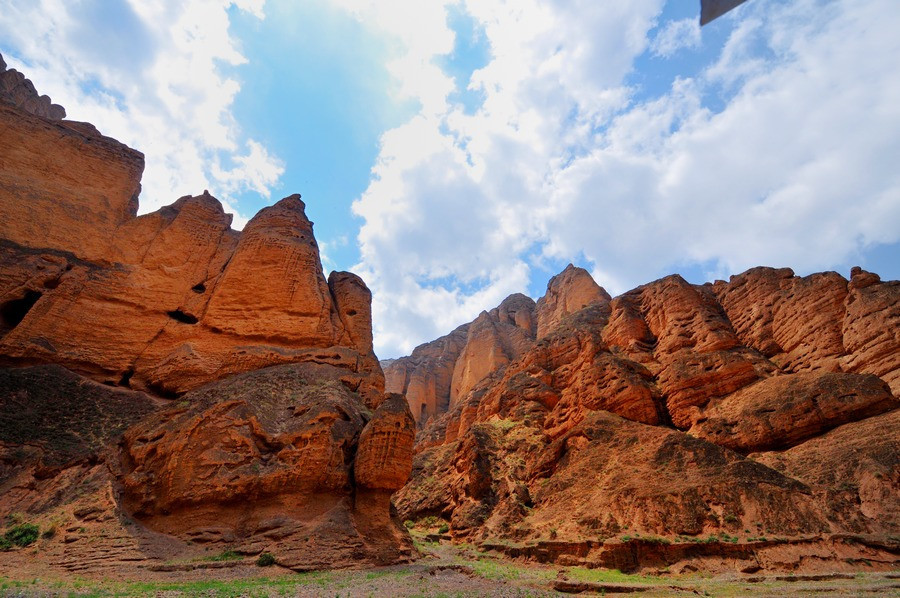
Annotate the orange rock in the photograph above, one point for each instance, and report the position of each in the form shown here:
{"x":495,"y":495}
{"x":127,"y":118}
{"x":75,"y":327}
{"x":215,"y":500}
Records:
{"x":266,"y":458}
{"x":353,"y":302}
{"x":438,"y":374}
{"x":795,"y":322}
{"x":15,"y":89}
{"x":567,"y":292}
{"x":273,"y":285}
{"x":176,"y":310}
{"x":533,"y":447}
{"x":784,"y":411}
{"x":53,"y":171}
{"x":604,"y":477}
{"x":871,"y":328}
{"x":492,"y":341}
{"x":287,"y":459}
{"x":424,"y":377}
{"x":384,"y":458}
{"x":853,"y":469}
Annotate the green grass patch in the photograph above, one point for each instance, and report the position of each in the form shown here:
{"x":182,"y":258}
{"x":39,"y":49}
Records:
{"x":503,"y":424}
{"x":225,"y":555}
{"x":24,"y":534}
{"x":502,"y":571}
{"x":608,"y":576}
{"x":250,"y":587}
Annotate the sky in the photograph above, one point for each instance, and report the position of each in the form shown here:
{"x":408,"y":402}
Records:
{"x":452,"y":152}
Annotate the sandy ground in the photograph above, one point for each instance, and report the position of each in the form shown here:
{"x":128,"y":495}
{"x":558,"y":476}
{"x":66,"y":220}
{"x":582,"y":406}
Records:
{"x":445,"y":570}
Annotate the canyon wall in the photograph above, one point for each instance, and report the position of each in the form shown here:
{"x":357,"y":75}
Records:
{"x":169,"y":374}
{"x":639,"y":431}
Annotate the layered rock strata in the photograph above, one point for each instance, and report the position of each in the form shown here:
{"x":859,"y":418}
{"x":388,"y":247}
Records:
{"x":658,"y":413}
{"x":437,"y":375}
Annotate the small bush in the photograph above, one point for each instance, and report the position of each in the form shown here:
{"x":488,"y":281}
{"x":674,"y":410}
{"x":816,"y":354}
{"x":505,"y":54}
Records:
{"x":5,"y":544}
{"x":24,"y":534}
{"x":409,"y":524}
{"x":266,"y":559}
{"x":444,"y":528}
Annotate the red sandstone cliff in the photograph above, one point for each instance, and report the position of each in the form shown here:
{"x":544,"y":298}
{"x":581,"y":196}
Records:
{"x":281,"y":439}
{"x":735,"y":412}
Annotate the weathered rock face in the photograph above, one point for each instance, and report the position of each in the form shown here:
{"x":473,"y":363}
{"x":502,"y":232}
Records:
{"x":493,"y":340}
{"x":577,"y":438}
{"x":15,"y":89}
{"x":853,"y":469}
{"x":63,"y":172}
{"x":569,"y":291}
{"x":871,"y":328}
{"x":818,"y":322}
{"x":425,"y":376}
{"x":176,"y":310}
{"x":274,"y":460}
{"x":439,"y":373}
{"x":784,"y":411}
{"x":299,"y":459}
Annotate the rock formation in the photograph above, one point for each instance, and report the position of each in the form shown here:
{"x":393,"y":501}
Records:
{"x":209,"y":384}
{"x":284,"y":460}
{"x":640,"y":431}
{"x":438,"y":374}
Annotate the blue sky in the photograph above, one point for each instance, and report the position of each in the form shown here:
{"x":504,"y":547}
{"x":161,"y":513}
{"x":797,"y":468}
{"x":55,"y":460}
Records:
{"x":455,"y":151}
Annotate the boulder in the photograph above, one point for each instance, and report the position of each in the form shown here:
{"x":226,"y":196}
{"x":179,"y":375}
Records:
{"x":784,"y":411}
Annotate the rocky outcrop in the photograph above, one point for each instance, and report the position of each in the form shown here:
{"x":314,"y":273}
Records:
{"x":186,"y":303}
{"x":605,"y":477}
{"x":493,"y":340}
{"x":569,"y":291}
{"x":279,"y":439}
{"x":274,"y":460}
{"x":784,"y":411}
{"x":62,"y":172}
{"x":572,"y":451}
{"x":818,"y":322}
{"x":871,"y":328}
{"x":424,"y":377}
{"x":439,"y":373}
{"x":15,"y":89}
{"x":475,"y":351}
{"x":854,"y":471}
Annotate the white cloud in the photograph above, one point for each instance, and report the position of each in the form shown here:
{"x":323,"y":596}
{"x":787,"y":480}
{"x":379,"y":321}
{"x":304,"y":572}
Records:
{"x":453,"y":201}
{"x":150,"y":75}
{"x":675,"y":36}
{"x":795,"y":166}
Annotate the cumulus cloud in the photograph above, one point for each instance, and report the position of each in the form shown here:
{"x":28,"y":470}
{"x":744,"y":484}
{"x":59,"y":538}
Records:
{"x":150,"y":75}
{"x":780,"y":151}
{"x":675,"y":36}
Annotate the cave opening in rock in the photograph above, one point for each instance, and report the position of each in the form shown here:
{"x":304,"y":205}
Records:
{"x":125,"y":380}
{"x":180,"y":316}
{"x":13,"y":312}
